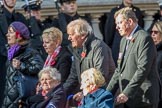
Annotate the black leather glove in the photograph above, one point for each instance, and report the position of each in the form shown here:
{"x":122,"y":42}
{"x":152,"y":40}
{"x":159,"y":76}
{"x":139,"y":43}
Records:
{"x":35,"y":99}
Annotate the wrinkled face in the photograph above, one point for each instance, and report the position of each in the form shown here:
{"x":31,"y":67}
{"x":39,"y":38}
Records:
{"x":47,"y":82}
{"x":9,"y":3}
{"x":76,"y":40}
{"x":69,"y":7}
{"x":156,"y":35}
{"x":11,"y":36}
{"x":49,"y":45}
{"x":85,"y":86}
{"x":122,"y":25}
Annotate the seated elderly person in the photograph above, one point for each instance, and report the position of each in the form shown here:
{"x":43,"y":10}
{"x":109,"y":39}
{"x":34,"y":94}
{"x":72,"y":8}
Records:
{"x":51,"y":94}
{"x":58,"y":57}
{"x":95,"y":95}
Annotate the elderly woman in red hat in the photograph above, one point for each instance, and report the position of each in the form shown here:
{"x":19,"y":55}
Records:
{"x":21,"y":60}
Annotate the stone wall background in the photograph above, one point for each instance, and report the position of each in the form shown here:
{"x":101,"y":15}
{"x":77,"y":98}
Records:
{"x":50,"y":3}
{"x":96,"y":9}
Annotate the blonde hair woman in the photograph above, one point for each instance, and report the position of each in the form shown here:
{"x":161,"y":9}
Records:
{"x":58,"y":57}
{"x":95,"y":95}
{"x":156,"y":34}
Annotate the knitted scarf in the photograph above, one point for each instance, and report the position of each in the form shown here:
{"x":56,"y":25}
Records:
{"x":12,"y":51}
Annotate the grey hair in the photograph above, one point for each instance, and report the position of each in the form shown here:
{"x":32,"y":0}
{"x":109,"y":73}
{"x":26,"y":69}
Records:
{"x":127,"y":13}
{"x":80,"y":27}
{"x":53,"y":72}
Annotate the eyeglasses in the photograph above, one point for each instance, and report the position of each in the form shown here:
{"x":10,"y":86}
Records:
{"x":154,"y":31}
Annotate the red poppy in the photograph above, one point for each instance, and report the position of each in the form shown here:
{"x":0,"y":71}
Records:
{"x":53,"y":63}
{"x":83,"y":54}
{"x":18,"y":34}
{"x":132,"y":40}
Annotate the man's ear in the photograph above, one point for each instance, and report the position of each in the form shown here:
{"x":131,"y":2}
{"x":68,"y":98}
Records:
{"x":130,"y":21}
{"x":83,"y":36}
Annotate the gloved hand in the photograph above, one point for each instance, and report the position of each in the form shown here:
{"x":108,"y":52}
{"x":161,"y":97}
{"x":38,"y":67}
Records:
{"x":35,"y":99}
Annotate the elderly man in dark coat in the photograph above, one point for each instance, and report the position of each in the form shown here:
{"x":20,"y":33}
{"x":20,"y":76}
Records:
{"x":88,"y":52}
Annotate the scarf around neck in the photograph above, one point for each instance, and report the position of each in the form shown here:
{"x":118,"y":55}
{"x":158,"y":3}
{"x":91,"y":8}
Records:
{"x":51,"y":59}
{"x":12,"y":51}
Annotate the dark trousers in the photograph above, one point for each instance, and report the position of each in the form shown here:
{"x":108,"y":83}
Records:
{"x":2,"y":77}
{"x":160,"y":104}
{"x":144,"y":106}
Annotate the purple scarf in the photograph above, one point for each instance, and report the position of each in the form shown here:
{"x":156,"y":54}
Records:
{"x":12,"y":51}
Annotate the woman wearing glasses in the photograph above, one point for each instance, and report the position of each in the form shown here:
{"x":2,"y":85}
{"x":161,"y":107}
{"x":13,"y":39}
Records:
{"x":156,"y":34}
{"x":58,"y":57}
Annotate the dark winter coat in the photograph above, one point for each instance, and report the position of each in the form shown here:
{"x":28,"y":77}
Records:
{"x":6,"y":18}
{"x":63,"y":63}
{"x":31,"y":64}
{"x":159,"y":59}
{"x":96,"y":55}
{"x":56,"y":98}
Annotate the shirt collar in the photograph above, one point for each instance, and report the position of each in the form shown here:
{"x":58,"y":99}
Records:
{"x":97,"y":93}
{"x":131,"y":35}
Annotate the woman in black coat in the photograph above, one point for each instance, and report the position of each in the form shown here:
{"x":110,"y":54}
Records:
{"x":50,"y":93}
{"x":156,"y":34}
{"x":21,"y":60}
{"x":58,"y":57}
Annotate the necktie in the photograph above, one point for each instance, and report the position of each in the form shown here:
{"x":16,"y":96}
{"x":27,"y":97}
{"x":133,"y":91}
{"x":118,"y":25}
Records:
{"x":125,"y":49}
{"x":127,"y":44}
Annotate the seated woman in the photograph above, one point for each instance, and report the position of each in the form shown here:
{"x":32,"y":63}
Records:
{"x":51,"y":94}
{"x":58,"y":57}
{"x":95,"y":95}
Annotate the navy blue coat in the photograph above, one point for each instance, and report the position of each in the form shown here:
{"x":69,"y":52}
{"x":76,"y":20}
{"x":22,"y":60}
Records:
{"x":99,"y":99}
{"x":56,"y":98}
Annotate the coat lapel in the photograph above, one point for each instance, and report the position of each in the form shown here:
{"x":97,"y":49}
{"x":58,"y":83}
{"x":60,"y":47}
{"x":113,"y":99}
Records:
{"x":126,"y":55}
{"x":132,"y":42}
{"x":121,"y":53}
